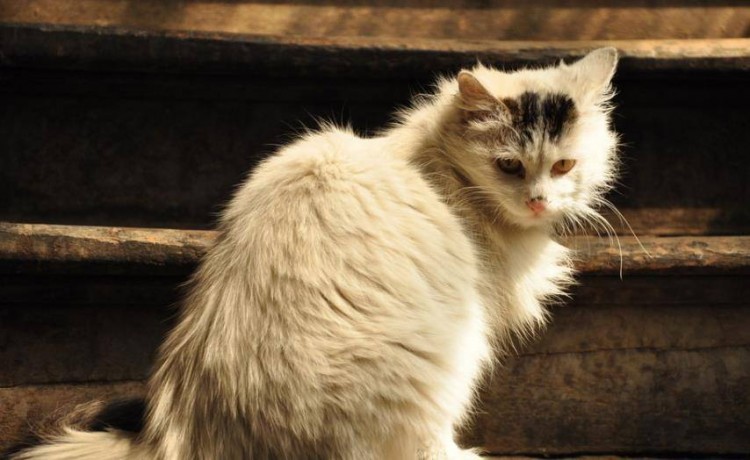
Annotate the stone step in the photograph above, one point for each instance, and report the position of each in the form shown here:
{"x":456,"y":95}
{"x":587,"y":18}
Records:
{"x":95,"y":48}
{"x":467,"y":19}
{"x":67,"y":249}
{"x":116,"y":131}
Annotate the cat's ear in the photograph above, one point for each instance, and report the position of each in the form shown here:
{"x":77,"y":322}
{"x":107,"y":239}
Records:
{"x":474,"y":96}
{"x":475,"y":101}
{"x":594,"y":72}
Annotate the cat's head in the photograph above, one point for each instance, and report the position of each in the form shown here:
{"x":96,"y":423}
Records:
{"x":535,"y":144}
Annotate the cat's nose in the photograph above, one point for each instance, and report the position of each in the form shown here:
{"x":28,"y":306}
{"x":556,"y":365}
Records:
{"x":537,"y":205}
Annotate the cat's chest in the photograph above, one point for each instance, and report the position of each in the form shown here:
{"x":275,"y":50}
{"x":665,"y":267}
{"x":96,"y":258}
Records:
{"x":519,"y":275}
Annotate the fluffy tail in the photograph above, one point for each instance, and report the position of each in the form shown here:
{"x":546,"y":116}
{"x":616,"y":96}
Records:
{"x":94,"y":431}
{"x":81,"y":445}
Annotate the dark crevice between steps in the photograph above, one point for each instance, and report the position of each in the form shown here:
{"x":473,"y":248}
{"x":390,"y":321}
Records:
{"x":71,"y":382}
{"x":633,"y":349}
{"x":627,"y":454}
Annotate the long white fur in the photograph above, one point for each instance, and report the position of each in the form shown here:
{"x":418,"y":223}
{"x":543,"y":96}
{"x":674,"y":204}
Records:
{"x":349,"y":307}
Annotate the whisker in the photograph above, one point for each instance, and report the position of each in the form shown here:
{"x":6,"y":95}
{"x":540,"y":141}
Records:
{"x":612,"y":233}
{"x":606,"y":203}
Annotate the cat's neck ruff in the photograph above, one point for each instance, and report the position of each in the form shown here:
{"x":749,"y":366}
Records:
{"x":521,"y":268}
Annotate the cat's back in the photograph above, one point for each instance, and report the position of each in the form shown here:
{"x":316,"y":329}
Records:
{"x":333,"y":184}
{"x":337,"y":209}
{"x":330,"y":163}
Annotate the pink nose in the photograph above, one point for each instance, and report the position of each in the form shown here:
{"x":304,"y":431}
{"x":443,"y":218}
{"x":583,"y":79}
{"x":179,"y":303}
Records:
{"x":536,"y":205}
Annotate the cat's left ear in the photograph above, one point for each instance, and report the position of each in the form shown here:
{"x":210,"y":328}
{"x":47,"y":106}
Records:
{"x":474,"y":96}
{"x":594,"y":72}
{"x":476,"y":102}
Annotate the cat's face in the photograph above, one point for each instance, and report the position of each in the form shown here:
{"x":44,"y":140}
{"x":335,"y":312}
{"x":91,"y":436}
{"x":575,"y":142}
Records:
{"x":537,"y":143}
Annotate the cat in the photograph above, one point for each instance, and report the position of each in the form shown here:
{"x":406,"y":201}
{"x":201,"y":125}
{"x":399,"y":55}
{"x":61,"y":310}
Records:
{"x":360,"y":287}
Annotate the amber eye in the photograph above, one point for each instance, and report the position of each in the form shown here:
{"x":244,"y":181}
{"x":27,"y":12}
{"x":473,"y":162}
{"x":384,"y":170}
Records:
{"x":510,"y":166}
{"x":562,"y":167}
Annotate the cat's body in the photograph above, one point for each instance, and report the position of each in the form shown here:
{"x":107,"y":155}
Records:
{"x":349,"y":307}
{"x":360,"y":322}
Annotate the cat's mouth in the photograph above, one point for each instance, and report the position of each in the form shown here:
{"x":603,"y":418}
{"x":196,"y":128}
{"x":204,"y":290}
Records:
{"x":538,"y":218}
{"x":524,"y":216}
{"x":537,"y":207}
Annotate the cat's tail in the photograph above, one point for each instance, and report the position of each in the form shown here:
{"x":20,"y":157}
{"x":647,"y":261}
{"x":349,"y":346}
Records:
{"x":94,"y":431}
{"x":82,"y":445}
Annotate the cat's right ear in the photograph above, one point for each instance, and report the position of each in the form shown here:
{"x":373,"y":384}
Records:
{"x":593,"y":73}
{"x":475,"y":101}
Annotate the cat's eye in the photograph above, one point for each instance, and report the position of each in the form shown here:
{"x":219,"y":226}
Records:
{"x":510,"y":166}
{"x":562,"y":167}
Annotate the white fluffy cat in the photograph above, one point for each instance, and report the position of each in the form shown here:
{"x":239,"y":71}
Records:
{"x":350,"y":304}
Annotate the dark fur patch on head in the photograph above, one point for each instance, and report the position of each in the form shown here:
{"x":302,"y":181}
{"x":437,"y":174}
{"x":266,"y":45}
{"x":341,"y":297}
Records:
{"x":550,"y":113}
{"x":122,"y":414}
{"x":558,"y":111}
{"x":530,"y":111}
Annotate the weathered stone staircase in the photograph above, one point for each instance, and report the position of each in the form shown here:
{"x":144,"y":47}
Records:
{"x":120,"y":141}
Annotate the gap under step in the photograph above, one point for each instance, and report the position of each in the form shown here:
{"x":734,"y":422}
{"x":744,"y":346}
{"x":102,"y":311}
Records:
{"x":42,"y":248}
